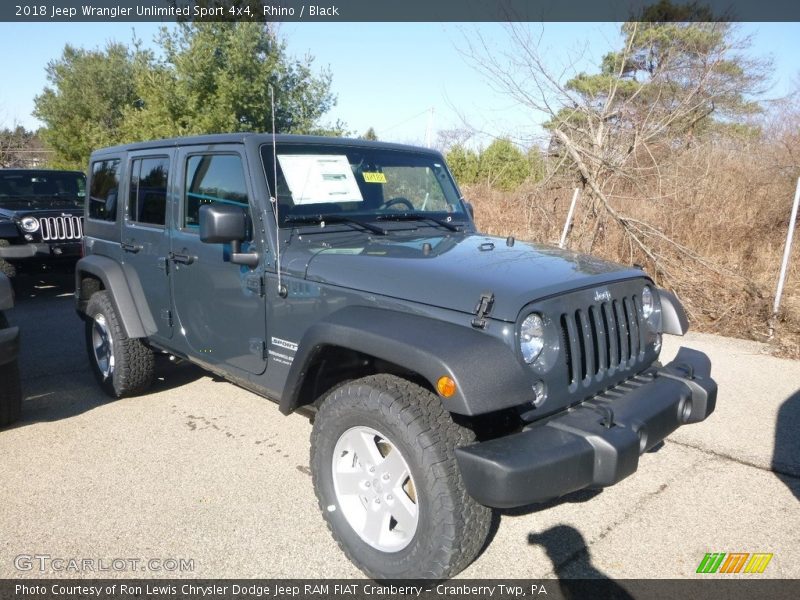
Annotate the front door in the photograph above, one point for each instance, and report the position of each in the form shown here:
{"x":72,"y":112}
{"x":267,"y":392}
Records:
{"x":145,"y":237}
{"x":219,"y":306}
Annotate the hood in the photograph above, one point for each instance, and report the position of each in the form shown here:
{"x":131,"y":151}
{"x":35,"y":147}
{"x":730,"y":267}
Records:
{"x":453,"y":271}
{"x":20,"y":207}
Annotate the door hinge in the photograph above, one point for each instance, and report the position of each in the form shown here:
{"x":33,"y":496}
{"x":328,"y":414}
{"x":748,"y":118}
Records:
{"x":255,"y":283}
{"x":166,"y":315}
{"x":482,"y":310}
{"x":163,"y":264}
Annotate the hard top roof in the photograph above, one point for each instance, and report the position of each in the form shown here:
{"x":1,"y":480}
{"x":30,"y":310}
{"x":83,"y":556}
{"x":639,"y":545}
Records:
{"x":21,"y":171}
{"x":257,"y":138}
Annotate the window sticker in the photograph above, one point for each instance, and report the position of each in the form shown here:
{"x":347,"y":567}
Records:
{"x":319,"y":178}
{"x":375,"y":177}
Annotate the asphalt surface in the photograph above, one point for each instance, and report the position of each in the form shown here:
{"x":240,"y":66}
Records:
{"x":204,"y":471}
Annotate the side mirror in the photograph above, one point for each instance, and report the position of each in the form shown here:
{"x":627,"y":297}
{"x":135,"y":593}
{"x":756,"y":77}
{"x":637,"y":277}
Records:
{"x":225,"y":224}
{"x":221,"y":224}
{"x":470,"y":210}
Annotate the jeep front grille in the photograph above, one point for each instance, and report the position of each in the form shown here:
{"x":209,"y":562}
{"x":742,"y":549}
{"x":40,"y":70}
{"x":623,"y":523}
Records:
{"x":57,"y":229}
{"x":602,"y":339}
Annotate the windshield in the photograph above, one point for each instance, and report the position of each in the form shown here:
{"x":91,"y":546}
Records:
{"x":34,"y":185}
{"x":352,"y":182}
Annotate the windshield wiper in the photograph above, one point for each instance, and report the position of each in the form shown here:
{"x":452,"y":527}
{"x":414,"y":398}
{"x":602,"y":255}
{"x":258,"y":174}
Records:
{"x":333,"y":218}
{"x":418,"y":217}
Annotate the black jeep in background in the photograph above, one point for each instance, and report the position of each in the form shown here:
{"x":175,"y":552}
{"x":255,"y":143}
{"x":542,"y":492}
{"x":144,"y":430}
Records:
{"x":41,"y":217}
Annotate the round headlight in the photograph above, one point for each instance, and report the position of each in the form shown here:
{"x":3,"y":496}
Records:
{"x":531,"y":337}
{"x":29,"y":224}
{"x":648,"y":303}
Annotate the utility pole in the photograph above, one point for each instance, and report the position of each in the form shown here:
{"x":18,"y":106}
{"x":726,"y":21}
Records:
{"x":569,"y":218}
{"x":787,"y":252}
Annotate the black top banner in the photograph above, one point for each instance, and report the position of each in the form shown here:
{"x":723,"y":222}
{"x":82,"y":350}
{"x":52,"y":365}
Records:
{"x":399,"y":10}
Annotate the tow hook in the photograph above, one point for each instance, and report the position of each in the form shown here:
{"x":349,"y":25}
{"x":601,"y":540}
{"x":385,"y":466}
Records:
{"x":605,"y":411}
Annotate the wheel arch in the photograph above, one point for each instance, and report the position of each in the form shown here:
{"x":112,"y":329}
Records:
{"x":674,"y":319}
{"x":109,"y":276}
{"x":8,"y":230}
{"x":419,"y":348}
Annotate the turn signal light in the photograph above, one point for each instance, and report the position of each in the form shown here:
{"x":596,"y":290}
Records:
{"x":446,"y":386}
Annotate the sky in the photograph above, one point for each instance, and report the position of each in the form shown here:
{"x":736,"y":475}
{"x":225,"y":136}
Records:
{"x":403,"y":79}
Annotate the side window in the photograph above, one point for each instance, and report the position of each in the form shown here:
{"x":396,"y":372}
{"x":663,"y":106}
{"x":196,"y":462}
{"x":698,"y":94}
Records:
{"x":147,"y":202}
{"x":212,"y":178}
{"x":104,"y":190}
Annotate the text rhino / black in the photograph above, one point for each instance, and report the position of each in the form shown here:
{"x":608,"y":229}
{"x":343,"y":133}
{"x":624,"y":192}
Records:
{"x":446,"y":372}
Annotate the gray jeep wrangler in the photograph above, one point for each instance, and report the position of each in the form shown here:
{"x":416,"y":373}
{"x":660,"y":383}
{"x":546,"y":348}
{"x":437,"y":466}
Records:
{"x":446,"y":372}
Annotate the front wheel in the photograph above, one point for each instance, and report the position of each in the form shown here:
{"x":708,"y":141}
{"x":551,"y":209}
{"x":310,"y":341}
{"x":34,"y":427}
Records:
{"x":123,"y":366}
{"x":385,"y":475}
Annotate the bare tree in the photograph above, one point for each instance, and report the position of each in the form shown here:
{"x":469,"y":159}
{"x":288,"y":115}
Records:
{"x":669,"y":86}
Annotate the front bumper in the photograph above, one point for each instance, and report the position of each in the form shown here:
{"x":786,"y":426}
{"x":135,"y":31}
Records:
{"x":594,"y":444}
{"x":9,"y":344}
{"x":41,"y":250}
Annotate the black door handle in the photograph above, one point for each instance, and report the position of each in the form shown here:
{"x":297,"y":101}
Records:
{"x":130,"y":247}
{"x":184,"y":259}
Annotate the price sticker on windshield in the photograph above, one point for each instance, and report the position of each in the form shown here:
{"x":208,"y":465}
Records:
{"x":374,"y":177}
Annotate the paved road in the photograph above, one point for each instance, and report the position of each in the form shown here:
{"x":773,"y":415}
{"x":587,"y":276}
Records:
{"x":200,"y":469}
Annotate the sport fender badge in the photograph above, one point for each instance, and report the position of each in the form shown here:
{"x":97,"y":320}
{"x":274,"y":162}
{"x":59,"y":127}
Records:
{"x":285,"y":344}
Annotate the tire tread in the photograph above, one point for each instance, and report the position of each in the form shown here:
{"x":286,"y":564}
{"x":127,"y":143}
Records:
{"x":464,"y":531}
{"x":134,"y":361}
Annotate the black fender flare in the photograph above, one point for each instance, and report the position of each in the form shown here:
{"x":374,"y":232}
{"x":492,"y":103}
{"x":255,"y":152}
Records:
{"x":8,"y":229}
{"x":110,"y":273}
{"x":673,"y":317}
{"x":487,"y":373}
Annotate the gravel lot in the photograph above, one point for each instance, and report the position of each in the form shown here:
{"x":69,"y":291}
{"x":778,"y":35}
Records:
{"x":200,"y":469}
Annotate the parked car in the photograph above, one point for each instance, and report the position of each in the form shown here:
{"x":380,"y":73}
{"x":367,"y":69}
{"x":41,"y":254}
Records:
{"x":41,"y":218}
{"x":446,"y":372}
{"x":10,"y":390}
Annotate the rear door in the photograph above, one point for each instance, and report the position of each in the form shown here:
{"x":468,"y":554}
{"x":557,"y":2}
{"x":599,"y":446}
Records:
{"x":219,"y":306}
{"x":145,"y":237}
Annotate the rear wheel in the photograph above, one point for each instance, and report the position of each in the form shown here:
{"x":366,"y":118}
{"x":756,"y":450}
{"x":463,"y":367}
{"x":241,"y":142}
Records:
{"x":123,"y":366}
{"x":10,"y":388}
{"x":385,"y":475}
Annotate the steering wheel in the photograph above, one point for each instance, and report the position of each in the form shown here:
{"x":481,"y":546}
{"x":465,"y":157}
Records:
{"x":399,"y":200}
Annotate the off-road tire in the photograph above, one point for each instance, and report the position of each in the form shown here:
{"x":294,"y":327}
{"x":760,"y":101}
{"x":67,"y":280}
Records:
{"x":134,"y":363}
{"x":452,"y":527}
{"x":6,"y":268}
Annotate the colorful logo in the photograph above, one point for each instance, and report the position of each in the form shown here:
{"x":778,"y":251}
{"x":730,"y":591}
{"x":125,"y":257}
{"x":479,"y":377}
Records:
{"x":734,"y":562}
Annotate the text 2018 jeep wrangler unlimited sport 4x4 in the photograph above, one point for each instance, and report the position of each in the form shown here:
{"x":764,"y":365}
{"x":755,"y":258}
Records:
{"x":446,"y":372}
